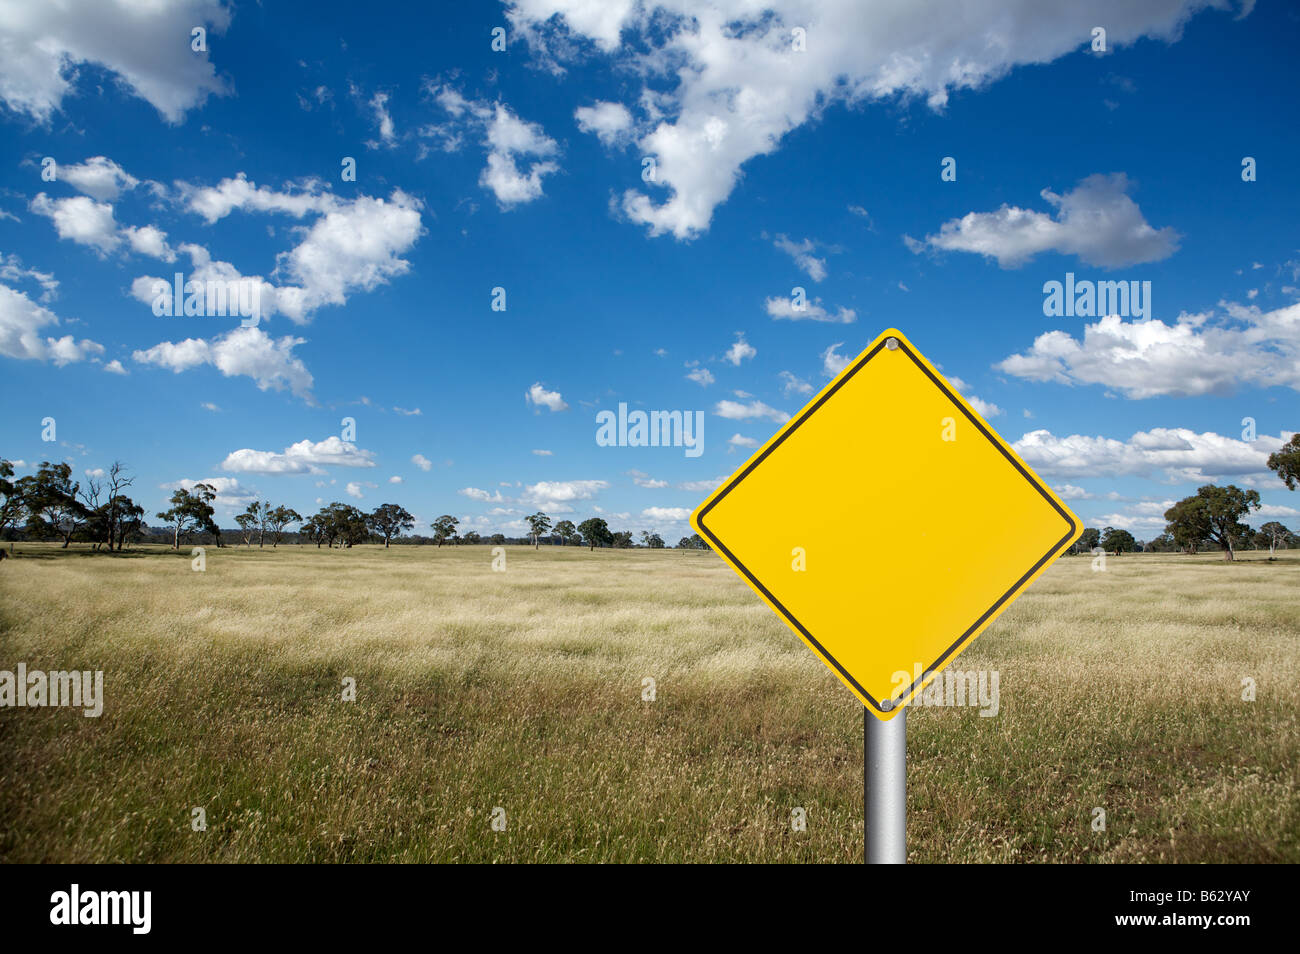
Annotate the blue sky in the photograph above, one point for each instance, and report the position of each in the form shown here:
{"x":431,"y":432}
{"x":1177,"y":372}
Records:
{"x":522,"y":169}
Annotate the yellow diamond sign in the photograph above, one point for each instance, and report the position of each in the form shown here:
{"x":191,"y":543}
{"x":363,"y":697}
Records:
{"x":887,"y":524}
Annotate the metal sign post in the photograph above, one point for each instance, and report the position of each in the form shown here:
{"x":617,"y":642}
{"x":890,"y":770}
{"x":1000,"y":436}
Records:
{"x":884,"y":783}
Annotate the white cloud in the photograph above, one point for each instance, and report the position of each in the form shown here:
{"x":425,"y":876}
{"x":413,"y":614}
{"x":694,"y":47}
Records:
{"x":149,"y":240}
{"x":509,"y":140}
{"x":540,"y":397}
{"x":702,"y":486}
{"x":422,"y":462}
{"x":146,"y":44}
{"x":1195,"y":355}
{"x":115,"y":367}
{"x":350,"y":246}
{"x":395,"y":479}
{"x":832,"y":361}
{"x":98,"y":177}
{"x":739,"y":440}
{"x":304,"y":457}
{"x":736,"y":411}
{"x":81,"y":220}
{"x":542,"y":453}
{"x":802,"y":253}
{"x":740,"y":350}
{"x":12,"y":270}
{"x":557,"y":496}
{"x":383,"y":121}
{"x":1096,"y":221}
{"x":701,"y":376}
{"x":722,"y":84}
{"x":231,"y":494}
{"x":666,"y":514}
{"x":21,"y":321}
{"x":247,"y":352}
{"x":1178,"y":455}
{"x":791,"y":384}
{"x":214,"y":203}
{"x":474,"y":493}
{"x":812,"y":310}
{"x":985,"y":409}
{"x":611,"y":122}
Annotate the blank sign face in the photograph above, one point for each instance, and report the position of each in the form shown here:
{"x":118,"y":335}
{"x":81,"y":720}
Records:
{"x":887,"y":524}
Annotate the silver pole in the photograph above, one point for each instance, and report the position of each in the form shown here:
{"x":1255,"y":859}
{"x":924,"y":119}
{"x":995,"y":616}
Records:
{"x":884,"y":770}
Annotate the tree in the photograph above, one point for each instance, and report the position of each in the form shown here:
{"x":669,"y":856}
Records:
{"x":444,"y":528}
{"x":652,"y":540}
{"x":1214,"y":514}
{"x":622,"y":539}
{"x":1117,"y":541}
{"x":1273,"y":534}
{"x":566,"y":531}
{"x":314,"y":530}
{"x":278,"y":519}
{"x":342,"y":523}
{"x":1090,"y":538}
{"x":595,"y":533}
{"x":247,"y":525}
{"x":50,"y":499}
{"x":471,"y":537}
{"x":191,"y":510}
{"x":497,"y":539}
{"x":11,"y":501}
{"x":390,"y":520}
{"x":1287,"y":462}
{"x":538,"y":523}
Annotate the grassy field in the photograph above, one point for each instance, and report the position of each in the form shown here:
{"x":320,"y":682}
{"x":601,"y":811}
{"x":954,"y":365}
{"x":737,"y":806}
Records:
{"x":523,"y":690}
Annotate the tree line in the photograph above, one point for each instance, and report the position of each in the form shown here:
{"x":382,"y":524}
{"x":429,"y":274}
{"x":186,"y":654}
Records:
{"x":51,"y":505}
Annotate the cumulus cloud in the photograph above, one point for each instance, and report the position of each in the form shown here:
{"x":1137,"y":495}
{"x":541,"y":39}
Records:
{"x":722,"y":84}
{"x":832,"y":361}
{"x":80,"y":219}
{"x":701,"y":376}
{"x":231,"y":494}
{"x":1178,"y":455}
{"x":422,"y":462}
{"x":98,"y":177}
{"x":144,"y":44}
{"x":483,"y":496}
{"x":740,"y":440}
{"x":540,"y":397}
{"x":304,"y":457}
{"x":802,"y":253}
{"x":610,"y":122}
{"x":1096,"y":221}
{"x":518,"y":151}
{"x":246,"y":352}
{"x":985,"y":409}
{"x":740,"y":350}
{"x":1195,"y":355}
{"x":350,"y":246}
{"x":558,"y":496}
{"x":21,"y":322}
{"x":792,"y":384}
{"x":812,"y":310}
{"x":737,"y":411}
{"x":666,"y":514}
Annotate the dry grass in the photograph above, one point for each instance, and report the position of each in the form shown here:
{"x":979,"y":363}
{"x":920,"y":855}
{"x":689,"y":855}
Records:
{"x":522,"y":689}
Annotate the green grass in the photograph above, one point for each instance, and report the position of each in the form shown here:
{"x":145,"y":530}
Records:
{"x":522,"y":689}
